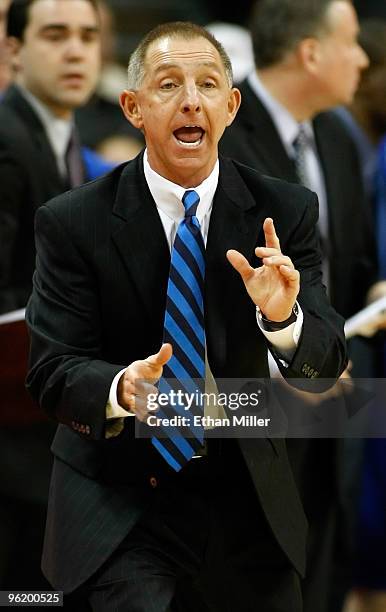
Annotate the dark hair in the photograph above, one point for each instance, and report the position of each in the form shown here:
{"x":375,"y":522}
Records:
{"x":18,"y":16}
{"x":173,"y":29}
{"x":277,"y":26}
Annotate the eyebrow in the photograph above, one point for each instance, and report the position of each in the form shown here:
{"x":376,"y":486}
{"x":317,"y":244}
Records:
{"x":61,"y":27}
{"x":171,"y":65}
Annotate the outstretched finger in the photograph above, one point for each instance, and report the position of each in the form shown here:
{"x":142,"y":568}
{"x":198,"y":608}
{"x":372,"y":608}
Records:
{"x":271,"y":238}
{"x":240,"y":264}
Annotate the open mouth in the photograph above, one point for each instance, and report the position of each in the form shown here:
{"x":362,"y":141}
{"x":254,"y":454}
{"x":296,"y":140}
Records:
{"x":189,"y":136}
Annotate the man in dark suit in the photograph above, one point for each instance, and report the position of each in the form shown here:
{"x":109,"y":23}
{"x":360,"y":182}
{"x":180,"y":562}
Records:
{"x":291,"y":88}
{"x":308,"y":60}
{"x":56,"y":53}
{"x":228,"y":527}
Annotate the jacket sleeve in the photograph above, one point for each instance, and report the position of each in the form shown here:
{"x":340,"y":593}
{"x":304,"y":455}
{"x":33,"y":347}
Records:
{"x":321,"y":356}
{"x":68,"y":375}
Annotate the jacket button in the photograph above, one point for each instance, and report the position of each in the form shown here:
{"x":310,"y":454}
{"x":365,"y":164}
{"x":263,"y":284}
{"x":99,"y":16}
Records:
{"x":153,"y":482}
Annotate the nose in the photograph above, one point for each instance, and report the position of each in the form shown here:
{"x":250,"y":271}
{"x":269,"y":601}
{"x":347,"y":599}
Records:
{"x":364,"y":59}
{"x":75,"y":48}
{"x":191,"y":100}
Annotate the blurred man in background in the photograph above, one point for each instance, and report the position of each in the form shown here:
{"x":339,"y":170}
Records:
{"x":55,"y":54}
{"x":366,"y":120}
{"x":308,"y":60}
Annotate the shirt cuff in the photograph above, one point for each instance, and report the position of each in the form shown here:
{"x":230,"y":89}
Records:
{"x":114,"y":412}
{"x":113,"y":409}
{"x":284,"y":341}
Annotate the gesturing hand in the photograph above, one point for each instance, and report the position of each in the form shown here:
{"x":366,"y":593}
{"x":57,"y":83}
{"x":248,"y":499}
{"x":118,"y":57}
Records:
{"x":138,"y":380}
{"x":275,"y":285}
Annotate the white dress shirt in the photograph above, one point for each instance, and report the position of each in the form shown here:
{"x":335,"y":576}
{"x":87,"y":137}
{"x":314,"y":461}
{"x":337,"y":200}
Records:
{"x":288,"y":129}
{"x":168,"y":199}
{"x":58,"y":130}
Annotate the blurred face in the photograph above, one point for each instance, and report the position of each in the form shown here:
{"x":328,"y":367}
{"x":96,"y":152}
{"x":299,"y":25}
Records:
{"x":59,"y":59}
{"x":182,"y":107}
{"x":341,"y":59}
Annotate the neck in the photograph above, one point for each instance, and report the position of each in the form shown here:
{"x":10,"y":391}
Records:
{"x":59,"y":112}
{"x":290,"y":88}
{"x":184,"y":177}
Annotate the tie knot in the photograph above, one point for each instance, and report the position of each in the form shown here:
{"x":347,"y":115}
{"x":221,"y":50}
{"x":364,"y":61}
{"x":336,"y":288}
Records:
{"x":190,"y":200}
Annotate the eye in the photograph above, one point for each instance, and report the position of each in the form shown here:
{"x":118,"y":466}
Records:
{"x":90,"y":36}
{"x":209,"y":85}
{"x":168,"y":85}
{"x":54,"y":35}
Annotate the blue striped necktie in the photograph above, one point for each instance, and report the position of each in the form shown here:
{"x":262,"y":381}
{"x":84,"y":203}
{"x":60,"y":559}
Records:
{"x":184,"y":329}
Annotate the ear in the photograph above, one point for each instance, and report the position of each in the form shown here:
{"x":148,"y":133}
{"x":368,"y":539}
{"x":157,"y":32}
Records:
{"x":14,"y":46}
{"x":129,"y":103}
{"x":234,"y":102}
{"x":309,"y":54}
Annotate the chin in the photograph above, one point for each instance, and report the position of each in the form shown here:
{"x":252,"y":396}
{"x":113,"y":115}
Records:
{"x":189,"y":160}
{"x":75,"y":99}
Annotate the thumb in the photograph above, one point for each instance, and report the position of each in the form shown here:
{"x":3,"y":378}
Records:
{"x":162,"y":357}
{"x":240,"y":264}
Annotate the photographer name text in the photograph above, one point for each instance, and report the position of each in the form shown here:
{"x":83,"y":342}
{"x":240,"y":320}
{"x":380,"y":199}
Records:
{"x":208,"y":421}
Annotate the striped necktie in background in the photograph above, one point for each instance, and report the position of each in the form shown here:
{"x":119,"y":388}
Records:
{"x":184,"y":329}
{"x":300,"y":145}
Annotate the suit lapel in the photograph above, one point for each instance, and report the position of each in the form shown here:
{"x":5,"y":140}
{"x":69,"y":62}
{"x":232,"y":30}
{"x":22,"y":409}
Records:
{"x":325,"y":143}
{"x":263,"y":137}
{"x":16,"y":101}
{"x":140,"y":238}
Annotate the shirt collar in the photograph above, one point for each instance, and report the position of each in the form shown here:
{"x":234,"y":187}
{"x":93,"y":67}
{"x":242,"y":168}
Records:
{"x":168,"y":195}
{"x":58,"y":130}
{"x":285,"y":123}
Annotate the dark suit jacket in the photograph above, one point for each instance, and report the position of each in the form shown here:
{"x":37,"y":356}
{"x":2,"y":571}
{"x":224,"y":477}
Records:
{"x":28,"y":177}
{"x":253,"y":140}
{"x":98,"y":304}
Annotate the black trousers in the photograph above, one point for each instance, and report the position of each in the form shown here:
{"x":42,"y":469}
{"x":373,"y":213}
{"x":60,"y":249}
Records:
{"x":203,"y":545}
